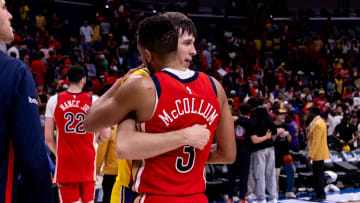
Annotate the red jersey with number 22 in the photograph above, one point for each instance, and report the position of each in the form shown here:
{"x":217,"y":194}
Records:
{"x":75,"y":146}
{"x":181,"y":103}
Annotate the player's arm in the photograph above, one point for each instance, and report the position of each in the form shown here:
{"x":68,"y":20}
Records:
{"x":102,"y":111}
{"x":134,"y":145}
{"x":256,"y":139}
{"x":28,"y":139}
{"x":288,"y":136}
{"x":355,"y":137}
{"x":50,"y":124}
{"x":225,"y":151}
{"x":113,"y":107}
{"x":336,"y":130}
{"x":49,"y":134}
{"x":129,"y":97}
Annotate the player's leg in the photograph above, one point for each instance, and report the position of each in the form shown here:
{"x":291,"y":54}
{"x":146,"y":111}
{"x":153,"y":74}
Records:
{"x":87,"y":191}
{"x":116,"y":192}
{"x":127,"y":195}
{"x":122,"y":194}
{"x":69,"y":193}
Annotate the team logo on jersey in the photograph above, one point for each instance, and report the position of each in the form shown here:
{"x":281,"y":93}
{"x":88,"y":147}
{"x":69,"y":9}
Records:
{"x":74,"y":96}
{"x":188,"y":89}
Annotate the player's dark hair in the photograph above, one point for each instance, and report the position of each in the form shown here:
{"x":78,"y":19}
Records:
{"x":254,"y":102}
{"x":245,"y":109}
{"x":157,"y":34}
{"x":182,"y":23}
{"x":75,"y":73}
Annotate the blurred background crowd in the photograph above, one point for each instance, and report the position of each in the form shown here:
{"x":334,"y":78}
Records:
{"x":289,"y":59}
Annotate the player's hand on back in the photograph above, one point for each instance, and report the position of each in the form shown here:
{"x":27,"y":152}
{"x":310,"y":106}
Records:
{"x":197,"y":136}
{"x":105,"y":134}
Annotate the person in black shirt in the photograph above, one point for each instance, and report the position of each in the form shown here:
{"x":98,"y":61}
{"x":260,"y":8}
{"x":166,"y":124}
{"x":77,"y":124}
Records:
{"x":282,"y":155}
{"x":347,"y":132}
{"x":263,"y":156}
{"x":243,"y":131}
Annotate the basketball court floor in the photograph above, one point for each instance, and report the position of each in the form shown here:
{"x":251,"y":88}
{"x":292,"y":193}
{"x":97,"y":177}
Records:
{"x":344,"y":196}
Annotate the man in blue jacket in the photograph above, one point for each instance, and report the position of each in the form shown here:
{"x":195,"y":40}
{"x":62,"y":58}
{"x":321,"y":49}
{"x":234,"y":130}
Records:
{"x":22,"y":144}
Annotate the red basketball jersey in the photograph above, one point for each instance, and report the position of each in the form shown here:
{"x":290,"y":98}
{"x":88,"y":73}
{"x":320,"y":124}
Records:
{"x":181,"y":103}
{"x":75,"y":146}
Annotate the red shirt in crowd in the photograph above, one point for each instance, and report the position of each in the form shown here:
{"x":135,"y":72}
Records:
{"x":39,"y":69}
{"x":320,"y":102}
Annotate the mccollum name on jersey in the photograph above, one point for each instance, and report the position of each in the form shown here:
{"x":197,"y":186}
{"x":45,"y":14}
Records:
{"x":189,"y":106}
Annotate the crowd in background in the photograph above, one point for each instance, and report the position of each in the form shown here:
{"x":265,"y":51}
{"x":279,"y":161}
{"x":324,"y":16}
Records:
{"x":284,"y":63}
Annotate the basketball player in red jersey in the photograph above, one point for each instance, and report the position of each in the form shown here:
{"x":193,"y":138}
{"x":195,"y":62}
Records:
{"x":186,"y":50}
{"x":175,"y":99}
{"x":74,"y":147}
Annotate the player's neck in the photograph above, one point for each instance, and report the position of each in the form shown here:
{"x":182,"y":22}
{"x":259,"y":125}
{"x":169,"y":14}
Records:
{"x":169,"y":62}
{"x":73,"y":88}
{"x":175,"y":64}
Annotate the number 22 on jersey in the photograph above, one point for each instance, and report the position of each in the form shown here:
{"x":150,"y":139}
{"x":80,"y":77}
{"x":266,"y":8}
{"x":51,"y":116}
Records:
{"x":74,"y":123}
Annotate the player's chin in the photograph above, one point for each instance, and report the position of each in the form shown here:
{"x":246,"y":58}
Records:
{"x":10,"y":34}
{"x":186,"y":64}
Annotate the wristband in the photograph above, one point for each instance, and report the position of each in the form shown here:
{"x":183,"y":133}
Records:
{"x":265,"y":138}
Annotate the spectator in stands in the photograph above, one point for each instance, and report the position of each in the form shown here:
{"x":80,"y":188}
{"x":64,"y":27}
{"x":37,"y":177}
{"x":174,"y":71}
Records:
{"x":348,"y":133}
{"x":38,"y":68}
{"x":263,"y":155}
{"x":243,"y":131}
{"x":293,"y":129}
{"x":96,"y":32}
{"x":90,"y":67}
{"x":67,"y":33}
{"x":282,"y":155}
{"x":105,"y":28}
{"x":86,"y":31}
{"x":24,"y":12}
{"x":320,"y":101}
{"x":317,"y":150}
{"x":40,"y":22}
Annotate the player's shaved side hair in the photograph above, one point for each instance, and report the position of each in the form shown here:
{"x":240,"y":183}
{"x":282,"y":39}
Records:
{"x":182,"y":23}
{"x":157,"y":34}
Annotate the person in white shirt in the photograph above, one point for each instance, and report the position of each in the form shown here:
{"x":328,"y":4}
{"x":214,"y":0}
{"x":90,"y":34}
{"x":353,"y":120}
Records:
{"x":86,"y":31}
{"x":334,"y":118}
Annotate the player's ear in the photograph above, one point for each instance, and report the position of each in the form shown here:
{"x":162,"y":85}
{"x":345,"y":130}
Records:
{"x":148,"y":55}
{"x":83,"y":80}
